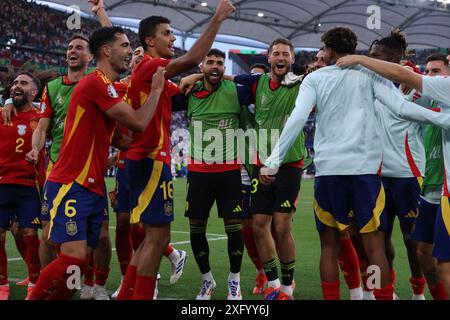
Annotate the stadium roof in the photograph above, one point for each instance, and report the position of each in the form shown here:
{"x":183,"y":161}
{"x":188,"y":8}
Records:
{"x":426,"y":22}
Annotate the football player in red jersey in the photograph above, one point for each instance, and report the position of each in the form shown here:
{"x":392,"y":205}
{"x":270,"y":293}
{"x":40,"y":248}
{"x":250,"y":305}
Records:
{"x":148,"y":158}
{"x":19,"y":192}
{"x":75,"y":187}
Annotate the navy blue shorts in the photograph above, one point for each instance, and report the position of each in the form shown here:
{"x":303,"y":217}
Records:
{"x":151,"y":191}
{"x":441,"y":250}
{"x":76,"y":213}
{"x":123,"y":192}
{"x":337,"y":196}
{"x":402,"y":199}
{"x":21,"y":203}
{"x":425,"y":222}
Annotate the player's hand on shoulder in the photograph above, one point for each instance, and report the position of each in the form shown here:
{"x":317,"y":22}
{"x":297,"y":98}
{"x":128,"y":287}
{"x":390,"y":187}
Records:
{"x":7,"y":110}
{"x":159,"y":79}
{"x":224,"y":10}
{"x":188,"y":82}
{"x":32,"y":156}
{"x":267,"y":175}
{"x":349,"y":61}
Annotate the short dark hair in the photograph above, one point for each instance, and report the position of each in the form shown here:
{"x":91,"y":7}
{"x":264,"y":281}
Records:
{"x":395,"y":43}
{"x":340,"y":40}
{"x":101,"y":37}
{"x":79,"y":36}
{"x":261,"y":66}
{"x":217,"y":53}
{"x":35,"y":80}
{"x":147,"y":28}
{"x":281,"y":41}
{"x":438,"y":57}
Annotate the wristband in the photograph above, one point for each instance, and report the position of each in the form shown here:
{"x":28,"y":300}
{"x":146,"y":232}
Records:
{"x":8,"y":101}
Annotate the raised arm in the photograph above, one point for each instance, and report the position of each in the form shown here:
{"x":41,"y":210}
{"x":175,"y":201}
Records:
{"x":389,"y":95}
{"x":201,"y":47}
{"x":391,"y":71}
{"x":98,"y":8}
{"x":138,"y":120}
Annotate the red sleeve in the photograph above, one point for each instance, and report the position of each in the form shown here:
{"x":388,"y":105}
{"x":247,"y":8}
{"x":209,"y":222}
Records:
{"x":121,"y":88}
{"x":173,"y":88}
{"x":104,"y":94}
{"x":149,"y":67}
{"x":46,"y":110}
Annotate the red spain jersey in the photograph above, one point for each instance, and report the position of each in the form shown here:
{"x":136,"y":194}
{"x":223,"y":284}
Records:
{"x":154,"y":142}
{"x":121,"y":88}
{"x":15,"y":143}
{"x":87,"y":134}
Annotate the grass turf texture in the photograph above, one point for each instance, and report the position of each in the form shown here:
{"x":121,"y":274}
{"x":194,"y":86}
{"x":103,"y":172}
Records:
{"x":307,"y":275}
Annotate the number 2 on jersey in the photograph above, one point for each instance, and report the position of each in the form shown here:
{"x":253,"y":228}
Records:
{"x":19,"y":145}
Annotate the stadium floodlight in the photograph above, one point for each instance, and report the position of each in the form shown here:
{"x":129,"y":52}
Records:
{"x":260,"y":14}
{"x":204,"y":4}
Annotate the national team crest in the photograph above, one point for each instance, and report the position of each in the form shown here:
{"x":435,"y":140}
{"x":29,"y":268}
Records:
{"x":21,"y":129}
{"x":44,"y":208}
{"x":168,"y":209}
{"x":71,"y":228}
{"x":112,"y":91}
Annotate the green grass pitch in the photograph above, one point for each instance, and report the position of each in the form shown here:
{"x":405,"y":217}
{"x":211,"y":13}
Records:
{"x":307,"y":275}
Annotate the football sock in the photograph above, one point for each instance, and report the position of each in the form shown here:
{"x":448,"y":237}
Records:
{"x":348,"y":262}
{"x":89,"y":273}
{"x":32,"y":257}
{"x":331,"y":290}
{"x":250,"y":245}
{"x":145,"y":288}
{"x":21,"y":247}
{"x":385,"y":293}
{"x":418,"y":285}
{"x":200,"y":247}
{"x":53,"y":278}
{"x":235,"y":246}
{"x":124,"y":248}
{"x":101,"y":277}
{"x":127,"y":290}
{"x":287,"y":272}
{"x":270,"y":268}
{"x":169,"y":249}
{"x":172,"y":254}
{"x":438,"y":291}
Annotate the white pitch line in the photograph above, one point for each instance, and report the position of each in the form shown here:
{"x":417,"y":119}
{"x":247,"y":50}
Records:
{"x":173,"y":243}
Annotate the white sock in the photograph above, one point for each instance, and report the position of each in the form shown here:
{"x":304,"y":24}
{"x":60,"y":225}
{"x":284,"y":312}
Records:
{"x":208,"y":276}
{"x":287,"y":289}
{"x":174,"y":256}
{"x":234,"y":276}
{"x":274,"y":283}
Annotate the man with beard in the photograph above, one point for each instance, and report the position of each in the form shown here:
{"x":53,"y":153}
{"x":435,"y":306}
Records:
{"x":148,"y":158}
{"x":347,"y":160}
{"x":272,"y":206}
{"x":75,"y":188}
{"x":129,"y":237}
{"x":19,"y":191}
{"x":215,"y":104}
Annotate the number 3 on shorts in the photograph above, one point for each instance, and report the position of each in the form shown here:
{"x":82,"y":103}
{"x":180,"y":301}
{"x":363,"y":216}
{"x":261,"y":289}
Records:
{"x":255,"y":183}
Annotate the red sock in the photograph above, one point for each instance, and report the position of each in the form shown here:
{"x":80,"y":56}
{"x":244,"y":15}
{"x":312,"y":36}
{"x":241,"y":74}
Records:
{"x":127,"y":289}
{"x":3,"y":264}
{"x":89,"y":273}
{"x":250,"y":245}
{"x":385,"y":293}
{"x":145,"y":288}
{"x":21,"y":247}
{"x":438,"y":291}
{"x":418,"y":285}
{"x":53,"y":278}
{"x":124,"y":248}
{"x":331,"y":290}
{"x":32,"y":257}
{"x":348,"y":261}
{"x":101,"y":277}
{"x":168,"y":251}
{"x":363,"y":261}
{"x":137,"y":235}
